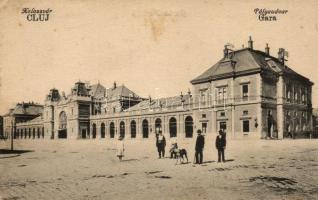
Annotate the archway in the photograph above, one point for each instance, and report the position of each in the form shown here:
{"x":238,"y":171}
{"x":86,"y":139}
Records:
{"x":188,"y":127}
{"x":112,"y":130}
{"x":133,"y":129}
{"x":173,"y":127}
{"x":29,"y":133}
{"x":94,"y":131}
{"x":122,"y":129}
{"x":102,"y":130}
{"x":33,"y":133}
{"x":38,"y":133}
{"x":158,"y":125}
{"x":62,"y":132}
{"x":145,"y":129}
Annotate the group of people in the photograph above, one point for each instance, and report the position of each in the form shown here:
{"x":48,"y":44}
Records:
{"x":220,"y":145}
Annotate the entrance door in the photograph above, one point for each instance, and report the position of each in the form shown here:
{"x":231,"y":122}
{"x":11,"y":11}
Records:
{"x":62,"y":134}
{"x":84,"y":133}
{"x":204,"y":127}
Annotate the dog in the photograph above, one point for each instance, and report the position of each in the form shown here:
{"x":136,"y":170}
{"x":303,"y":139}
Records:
{"x":180,"y":154}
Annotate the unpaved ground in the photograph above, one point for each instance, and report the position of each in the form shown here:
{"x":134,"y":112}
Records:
{"x":88,"y":169}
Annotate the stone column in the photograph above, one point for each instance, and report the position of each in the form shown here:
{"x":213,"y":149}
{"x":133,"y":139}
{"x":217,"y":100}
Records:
{"x":280,"y":109}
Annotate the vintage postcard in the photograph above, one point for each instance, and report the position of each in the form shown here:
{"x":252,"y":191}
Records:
{"x":158,"y":99}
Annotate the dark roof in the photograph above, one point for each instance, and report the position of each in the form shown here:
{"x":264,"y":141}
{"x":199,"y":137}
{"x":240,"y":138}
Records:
{"x":26,"y":109}
{"x":175,"y":101}
{"x":99,"y":91}
{"x":244,"y":61}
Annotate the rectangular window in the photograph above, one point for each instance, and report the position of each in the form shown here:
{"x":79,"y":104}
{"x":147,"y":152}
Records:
{"x":203,"y":115}
{"x":245,"y":91}
{"x":246,"y":126}
{"x":222,"y":94}
{"x":245,"y":112}
{"x":222,"y":114}
{"x":203,"y":95}
{"x":222,"y":125}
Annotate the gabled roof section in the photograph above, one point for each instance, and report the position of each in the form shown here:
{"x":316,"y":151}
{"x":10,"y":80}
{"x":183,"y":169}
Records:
{"x":26,"y":109}
{"x":175,"y":101}
{"x":97,"y":90}
{"x":119,"y":92}
{"x":244,"y":61}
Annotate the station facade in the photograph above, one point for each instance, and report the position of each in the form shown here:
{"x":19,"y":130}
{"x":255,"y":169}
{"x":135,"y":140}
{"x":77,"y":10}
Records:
{"x":248,"y":93}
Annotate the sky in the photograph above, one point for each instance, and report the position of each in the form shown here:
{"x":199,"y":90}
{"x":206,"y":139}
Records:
{"x":152,"y":47}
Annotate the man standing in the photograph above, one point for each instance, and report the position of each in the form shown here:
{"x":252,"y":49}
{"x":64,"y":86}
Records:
{"x":199,"y":145}
{"x":161,"y":144}
{"x":220,"y":144}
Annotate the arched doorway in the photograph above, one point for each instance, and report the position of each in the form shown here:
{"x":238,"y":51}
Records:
{"x":29,"y":133}
{"x":122,"y":129}
{"x":133,"y":129}
{"x":145,"y":129}
{"x":25,"y":133}
{"x":62,"y":132}
{"x":94,"y":131}
{"x":158,"y":125}
{"x":188,"y":127}
{"x":112,"y":130}
{"x":17,"y":134}
{"x":38,"y":133}
{"x":21,"y":134}
{"x":173,"y":127}
{"x":33,"y":133}
{"x":102,"y":130}
{"x":42,"y":132}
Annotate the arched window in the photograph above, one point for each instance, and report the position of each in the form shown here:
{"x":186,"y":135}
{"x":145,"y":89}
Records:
{"x":133,"y":129}
{"x":29,"y":132}
{"x":188,"y":127}
{"x":112,"y":130}
{"x":33,"y":133}
{"x":21,"y":135}
{"x":122,"y":129}
{"x":62,"y":132}
{"x":145,"y":129}
{"x":42,"y":132}
{"x":17,"y":133}
{"x":102,"y":130}
{"x":158,"y":125}
{"x":94,"y":131}
{"x":173,"y":127}
{"x":25,"y":133}
{"x":39,"y":132}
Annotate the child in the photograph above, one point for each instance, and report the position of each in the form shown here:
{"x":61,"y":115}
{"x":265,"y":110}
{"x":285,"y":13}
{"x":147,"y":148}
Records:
{"x":120,"y":148}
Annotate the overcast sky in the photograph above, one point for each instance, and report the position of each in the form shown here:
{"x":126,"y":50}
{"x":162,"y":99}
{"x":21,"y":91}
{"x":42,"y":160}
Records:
{"x":153,"y":47}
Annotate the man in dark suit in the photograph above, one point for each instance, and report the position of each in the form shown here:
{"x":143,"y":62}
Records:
{"x":220,"y":144}
{"x":161,"y":144}
{"x":199,"y":145}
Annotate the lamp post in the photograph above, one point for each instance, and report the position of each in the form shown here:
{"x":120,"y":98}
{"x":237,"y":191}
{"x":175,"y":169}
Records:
{"x":12,"y":130}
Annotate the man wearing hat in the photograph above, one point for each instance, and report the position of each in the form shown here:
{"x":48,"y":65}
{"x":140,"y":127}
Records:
{"x":199,"y":145}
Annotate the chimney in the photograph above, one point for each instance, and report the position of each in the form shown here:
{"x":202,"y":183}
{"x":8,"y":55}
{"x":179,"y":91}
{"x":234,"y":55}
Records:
{"x":226,"y":51}
{"x":250,"y":43}
{"x":267,"y":49}
{"x":281,"y":55}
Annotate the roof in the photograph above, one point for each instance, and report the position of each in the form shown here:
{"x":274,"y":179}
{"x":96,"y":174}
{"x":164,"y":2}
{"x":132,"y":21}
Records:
{"x":244,"y":61}
{"x":26,"y":109}
{"x":97,"y":90}
{"x":114,"y":93}
{"x":166,"y":102}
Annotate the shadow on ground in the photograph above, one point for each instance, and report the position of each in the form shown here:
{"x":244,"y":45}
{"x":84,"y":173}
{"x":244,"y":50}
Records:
{"x":7,"y":151}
